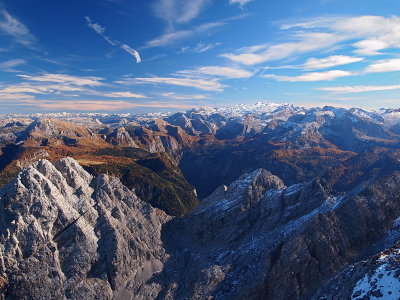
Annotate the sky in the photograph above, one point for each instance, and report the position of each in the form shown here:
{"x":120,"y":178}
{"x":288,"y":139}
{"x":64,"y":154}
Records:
{"x":165,"y":55}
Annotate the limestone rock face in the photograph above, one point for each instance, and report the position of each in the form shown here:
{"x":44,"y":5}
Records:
{"x":160,"y":136}
{"x":258,"y":239}
{"x":373,"y":278}
{"x":67,"y":235}
{"x":121,"y":137}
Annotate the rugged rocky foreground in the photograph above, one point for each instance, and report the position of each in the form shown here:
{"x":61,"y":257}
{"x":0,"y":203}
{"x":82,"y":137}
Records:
{"x":68,"y":235}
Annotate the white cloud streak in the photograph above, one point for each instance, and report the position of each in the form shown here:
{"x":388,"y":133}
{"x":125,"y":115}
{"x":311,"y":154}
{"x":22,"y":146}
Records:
{"x":122,"y":95}
{"x":329,"y":62}
{"x":227,"y":72}
{"x":132,"y":52}
{"x":370,"y":47}
{"x":177,"y":11}
{"x":313,"y":76}
{"x":262,"y":53}
{"x":49,"y":84}
{"x":240,"y":2}
{"x":14,"y":96}
{"x":201,"y":47}
{"x":168,"y":38}
{"x":97,"y":105}
{"x":101,"y":31}
{"x":40,"y":89}
{"x":369,"y":34}
{"x":9,"y":64}
{"x":359,"y":88}
{"x":12,"y":27}
{"x":173,"y":37}
{"x":65,"y":79}
{"x":175,"y":96}
{"x":386,"y":65}
{"x":201,"y":84}
{"x":61,"y":85}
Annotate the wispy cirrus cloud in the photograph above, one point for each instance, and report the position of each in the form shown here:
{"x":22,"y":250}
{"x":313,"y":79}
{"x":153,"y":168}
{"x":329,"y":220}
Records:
{"x":367,"y":35}
{"x":385,"y":65}
{"x":359,"y":88}
{"x":62,"y":85}
{"x":121,"y":95}
{"x":8,"y":65}
{"x":330,"y":61}
{"x":96,"y":105}
{"x":201,"y":47}
{"x":314,"y":63}
{"x":49,"y":84}
{"x":168,"y":38}
{"x":240,"y":2}
{"x":306,"y":42}
{"x":40,"y":89}
{"x":370,"y":47}
{"x":65,"y":79}
{"x":9,"y":25}
{"x":172,"y":37}
{"x":132,"y":52}
{"x":101,"y":31}
{"x":218,"y":71}
{"x":14,"y":96}
{"x":312,"y":76}
{"x":175,"y":96}
{"x":374,"y":33}
{"x":178,"y":12}
{"x":202,"y":84}
{"x":206,"y":78}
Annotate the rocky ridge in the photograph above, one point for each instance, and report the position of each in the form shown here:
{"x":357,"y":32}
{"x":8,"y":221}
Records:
{"x":68,"y":235}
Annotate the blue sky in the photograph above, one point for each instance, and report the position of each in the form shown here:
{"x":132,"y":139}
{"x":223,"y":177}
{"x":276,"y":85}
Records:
{"x":157,"y":55}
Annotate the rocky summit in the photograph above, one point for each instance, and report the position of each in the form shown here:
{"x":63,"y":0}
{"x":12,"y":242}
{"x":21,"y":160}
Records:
{"x":67,"y":234}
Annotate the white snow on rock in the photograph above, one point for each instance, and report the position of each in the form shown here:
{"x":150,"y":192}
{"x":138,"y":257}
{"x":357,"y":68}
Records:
{"x":383,"y":283}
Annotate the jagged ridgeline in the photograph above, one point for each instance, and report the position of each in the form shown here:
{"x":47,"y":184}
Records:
{"x":155,"y":176}
{"x":263,"y":201}
{"x":69,"y":235}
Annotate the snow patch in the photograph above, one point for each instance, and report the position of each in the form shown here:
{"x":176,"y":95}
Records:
{"x":384,"y":283}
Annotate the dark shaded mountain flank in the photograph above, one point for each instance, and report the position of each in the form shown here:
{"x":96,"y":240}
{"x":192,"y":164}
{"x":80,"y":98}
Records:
{"x":154,"y":177}
{"x":69,"y":235}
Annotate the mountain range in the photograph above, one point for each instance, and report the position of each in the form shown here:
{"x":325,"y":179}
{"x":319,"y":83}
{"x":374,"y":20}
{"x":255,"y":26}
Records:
{"x":262,"y":201}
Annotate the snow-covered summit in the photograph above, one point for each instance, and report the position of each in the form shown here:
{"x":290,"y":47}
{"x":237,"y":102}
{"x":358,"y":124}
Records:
{"x":256,"y":108}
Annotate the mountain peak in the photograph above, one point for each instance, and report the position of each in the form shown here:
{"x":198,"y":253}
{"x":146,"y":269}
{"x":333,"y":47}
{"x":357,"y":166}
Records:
{"x":62,"y":236}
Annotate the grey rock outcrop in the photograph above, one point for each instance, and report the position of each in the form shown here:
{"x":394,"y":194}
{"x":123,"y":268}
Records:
{"x":373,"y":278}
{"x":67,"y":235}
{"x":257,"y":239}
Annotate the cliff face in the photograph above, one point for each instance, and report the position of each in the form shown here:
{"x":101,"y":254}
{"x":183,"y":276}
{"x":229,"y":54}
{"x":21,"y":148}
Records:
{"x":373,"y":278}
{"x":68,"y":235}
{"x":257,"y":239}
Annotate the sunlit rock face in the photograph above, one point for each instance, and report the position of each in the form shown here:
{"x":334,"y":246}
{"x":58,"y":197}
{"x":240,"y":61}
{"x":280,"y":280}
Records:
{"x":69,"y":235}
